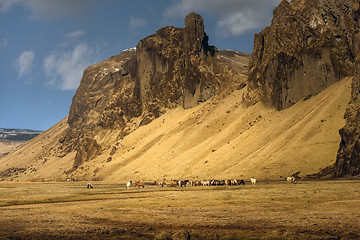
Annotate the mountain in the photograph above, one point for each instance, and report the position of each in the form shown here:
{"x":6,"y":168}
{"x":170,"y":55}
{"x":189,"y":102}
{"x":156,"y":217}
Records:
{"x":176,"y":107}
{"x":10,"y":139}
{"x":307,"y":47}
{"x":18,"y":134}
{"x":175,"y":67}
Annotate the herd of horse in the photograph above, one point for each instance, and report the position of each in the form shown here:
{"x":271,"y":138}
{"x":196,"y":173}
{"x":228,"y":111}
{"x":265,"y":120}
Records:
{"x":189,"y":183}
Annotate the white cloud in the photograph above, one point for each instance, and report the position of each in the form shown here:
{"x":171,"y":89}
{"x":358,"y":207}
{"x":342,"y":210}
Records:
{"x":234,"y":17}
{"x":136,"y":23}
{"x":75,"y":34}
{"x":51,"y":9}
{"x":64,"y":68}
{"x":237,"y":23}
{"x":24,"y":63}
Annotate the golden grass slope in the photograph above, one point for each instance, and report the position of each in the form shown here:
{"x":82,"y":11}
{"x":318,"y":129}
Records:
{"x":36,"y":159}
{"x":217,"y":139}
{"x":7,"y":146}
{"x":222,"y":139}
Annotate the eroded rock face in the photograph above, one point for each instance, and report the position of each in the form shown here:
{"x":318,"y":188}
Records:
{"x":348,"y":158}
{"x":310,"y":45}
{"x":307,"y":47}
{"x":173,"y":67}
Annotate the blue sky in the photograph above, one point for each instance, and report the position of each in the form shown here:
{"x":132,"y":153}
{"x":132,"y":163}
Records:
{"x":45,"y":45}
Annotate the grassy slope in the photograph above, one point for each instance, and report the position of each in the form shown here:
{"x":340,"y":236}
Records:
{"x":33,"y":156}
{"x":7,"y":146}
{"x":218,"y":139}
{"x":222,"y":139}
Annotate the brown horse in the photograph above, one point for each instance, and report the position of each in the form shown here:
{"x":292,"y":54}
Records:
{"x":139,"y":184}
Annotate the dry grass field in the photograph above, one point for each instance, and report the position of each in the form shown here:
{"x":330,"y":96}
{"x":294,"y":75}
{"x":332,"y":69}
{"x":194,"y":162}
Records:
{"x":269,"y":210}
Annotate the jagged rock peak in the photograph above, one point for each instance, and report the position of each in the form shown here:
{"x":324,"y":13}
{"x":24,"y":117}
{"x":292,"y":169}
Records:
{"x":195,"y":23}
{"x":194,"y":26}
{"x":171,"y":68}
{"x":195,"y":29}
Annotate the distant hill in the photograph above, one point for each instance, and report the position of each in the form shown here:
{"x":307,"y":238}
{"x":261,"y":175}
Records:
{"x":10,"y":139}
{"x":18,"y":134}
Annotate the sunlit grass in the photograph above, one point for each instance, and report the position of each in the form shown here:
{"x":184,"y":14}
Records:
{"x":312,"y":207}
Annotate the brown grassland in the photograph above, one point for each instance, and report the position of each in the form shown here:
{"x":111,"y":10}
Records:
{"x":269,"y":210}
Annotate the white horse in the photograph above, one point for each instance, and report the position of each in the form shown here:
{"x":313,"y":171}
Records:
{"x":253,"y":181}
{"x":128,"y":185}
{"x":290,"y":179}
{"x":205,"y":183}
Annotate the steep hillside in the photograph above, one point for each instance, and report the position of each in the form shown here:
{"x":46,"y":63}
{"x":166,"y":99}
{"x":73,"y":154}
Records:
{"x":171,"y":68}
{"x":307,"y":47}
{"x":7,"y":146}
{"x":223,"y":139}
{"x":220,"y":138}
{"x":238,"y":61}
{"x":38,"y":158}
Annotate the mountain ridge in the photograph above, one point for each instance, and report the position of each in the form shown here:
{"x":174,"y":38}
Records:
{"x":12,"y":138}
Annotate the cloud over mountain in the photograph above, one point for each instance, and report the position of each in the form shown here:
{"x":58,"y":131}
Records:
{"x":50,"y":9}
{"x":24,"y":63}
{"x":64,"y":68}
{"x":136,"y":22}
{"x":234,"y":17}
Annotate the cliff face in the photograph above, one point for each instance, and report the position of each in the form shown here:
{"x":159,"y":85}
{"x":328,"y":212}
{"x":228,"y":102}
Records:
{"x":307,"y":48}
{"x":173,"y":67}
{"x":348,"y":158}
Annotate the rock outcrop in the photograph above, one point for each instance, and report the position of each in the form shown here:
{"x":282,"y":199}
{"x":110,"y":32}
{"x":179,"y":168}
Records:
{"x":307,"y":48}
{"x":173,"y":67}
{"x":348,"y":158}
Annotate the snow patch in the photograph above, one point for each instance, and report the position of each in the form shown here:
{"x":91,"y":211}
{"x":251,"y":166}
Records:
{"x":130,"y":49}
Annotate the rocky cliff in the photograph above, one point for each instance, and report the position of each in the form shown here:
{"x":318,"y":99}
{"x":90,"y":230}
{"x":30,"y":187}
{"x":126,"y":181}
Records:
{"x":307,"y":48}
{"x":348,"y":158}
{"x":173,"y":67}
